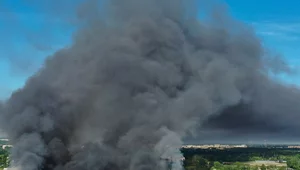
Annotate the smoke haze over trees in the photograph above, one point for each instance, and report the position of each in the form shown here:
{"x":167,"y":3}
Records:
{"x":140,"y":77}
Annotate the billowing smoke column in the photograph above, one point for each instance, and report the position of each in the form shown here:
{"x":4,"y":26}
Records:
{"x":132,"y":85}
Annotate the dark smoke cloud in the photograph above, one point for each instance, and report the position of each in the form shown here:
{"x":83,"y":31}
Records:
{"x":138,"y":79}
{"x":273,"y":110}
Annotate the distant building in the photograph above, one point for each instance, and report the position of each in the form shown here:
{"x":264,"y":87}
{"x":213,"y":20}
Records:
{"x":215,"y":146}
{"x":294,"y":147}
{"x":282,"y":161}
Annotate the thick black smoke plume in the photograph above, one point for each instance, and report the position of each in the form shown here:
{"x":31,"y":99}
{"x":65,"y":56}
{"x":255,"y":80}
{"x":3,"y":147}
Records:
{"x":137,"y":79}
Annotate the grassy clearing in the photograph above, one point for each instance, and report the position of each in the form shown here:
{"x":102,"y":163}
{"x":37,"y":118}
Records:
{"x":266,"y":163}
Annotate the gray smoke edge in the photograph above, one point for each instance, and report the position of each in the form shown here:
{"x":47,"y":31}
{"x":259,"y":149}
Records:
{"x":138,"y":80}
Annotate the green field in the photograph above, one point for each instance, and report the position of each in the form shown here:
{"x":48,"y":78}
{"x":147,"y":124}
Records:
{"x":241,"y":159}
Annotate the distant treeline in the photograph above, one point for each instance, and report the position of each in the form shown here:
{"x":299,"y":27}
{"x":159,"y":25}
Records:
{"x":215,"y":159}
{"x":240,"y":154}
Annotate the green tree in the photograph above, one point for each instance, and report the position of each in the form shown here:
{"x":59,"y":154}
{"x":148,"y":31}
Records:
{"x":218,"y":165}
{"x":263,"y":167}
{"x":197,"y":163}
{"x":294,"y":162}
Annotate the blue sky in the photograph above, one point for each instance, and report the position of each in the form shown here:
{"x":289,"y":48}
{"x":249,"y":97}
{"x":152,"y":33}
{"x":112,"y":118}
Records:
{"x":277,"y":23}
{"x":30,"y":31}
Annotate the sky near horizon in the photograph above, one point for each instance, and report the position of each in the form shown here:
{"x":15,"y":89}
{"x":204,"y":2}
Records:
{"x":30,"y":32}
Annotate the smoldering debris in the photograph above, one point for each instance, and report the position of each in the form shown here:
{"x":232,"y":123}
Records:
{"x":135,"y":82}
